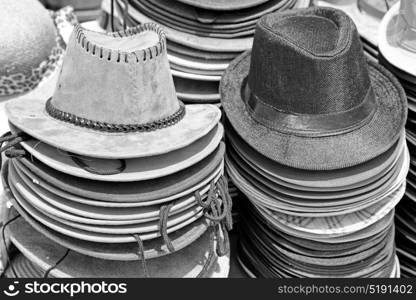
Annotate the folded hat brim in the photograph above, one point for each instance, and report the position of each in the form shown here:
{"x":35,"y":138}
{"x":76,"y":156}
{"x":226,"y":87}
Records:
{"x":388,"y":43}
{"x":30,"y":116}
{"x":323,"y":153}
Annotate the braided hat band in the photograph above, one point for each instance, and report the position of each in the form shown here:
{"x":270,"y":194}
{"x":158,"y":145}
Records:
{"x":111,"y":127}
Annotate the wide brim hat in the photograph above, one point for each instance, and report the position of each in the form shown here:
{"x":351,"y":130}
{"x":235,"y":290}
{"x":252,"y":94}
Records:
{"x":389,"y":31}
{"x":327,"y":152}
{"x":165,"y":128}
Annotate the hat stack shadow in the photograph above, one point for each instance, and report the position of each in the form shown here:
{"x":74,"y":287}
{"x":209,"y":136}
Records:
{"x":397,"y":49}
{"x":316,"y":143}
{"x":117,"y":177}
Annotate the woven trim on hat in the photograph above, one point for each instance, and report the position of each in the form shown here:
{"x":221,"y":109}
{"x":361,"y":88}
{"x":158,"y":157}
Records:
{"x":19,"y":83}
{"x":111,"y":127}
{"x":121,"y":56}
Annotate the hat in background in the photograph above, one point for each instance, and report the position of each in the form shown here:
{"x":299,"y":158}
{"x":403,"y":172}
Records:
{"x":306,"y":119}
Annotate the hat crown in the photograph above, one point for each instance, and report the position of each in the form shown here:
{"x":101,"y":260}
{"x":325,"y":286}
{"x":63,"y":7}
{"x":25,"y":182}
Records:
{"x":28,"y":36}
{"x":308,"y":62}
{"x":117,"y":78}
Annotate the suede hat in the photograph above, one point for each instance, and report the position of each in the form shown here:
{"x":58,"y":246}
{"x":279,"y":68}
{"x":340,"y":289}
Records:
{"x":284,"y":97}
{"x":114,"y":99}
{"x":33,"y":42}
{"x":397,"y":36}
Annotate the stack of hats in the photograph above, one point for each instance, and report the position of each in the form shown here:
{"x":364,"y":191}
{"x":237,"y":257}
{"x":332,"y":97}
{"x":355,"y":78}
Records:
{"x":367,"y":15}
{"x":203,"y":36}
{"x":85,"y":10}
{"x":113,"y":168}
{"x":397,"y":45}
{"x":317,"y":145}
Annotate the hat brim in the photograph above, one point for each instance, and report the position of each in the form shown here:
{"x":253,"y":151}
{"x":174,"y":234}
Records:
{"x":30,"y":116}
{"x":223,"y":4}
{"x":136,"y":169}
{"x":151,"y":192}
{"x":387,"y":39}
{"x":323,"y":153}
{"x":187,"y":262}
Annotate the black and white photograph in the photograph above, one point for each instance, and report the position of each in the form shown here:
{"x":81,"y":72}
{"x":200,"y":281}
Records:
{"x":227,"y":139}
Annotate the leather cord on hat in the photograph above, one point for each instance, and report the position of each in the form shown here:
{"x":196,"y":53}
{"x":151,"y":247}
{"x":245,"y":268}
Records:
{"x":140,"y":253}
{"x":82,"y":164}
{"x":48,"y":271}
{"x":12,"y":140}
{"x":3,"y":236}
{"x":163,"y":226}
{"x":217,"y":208}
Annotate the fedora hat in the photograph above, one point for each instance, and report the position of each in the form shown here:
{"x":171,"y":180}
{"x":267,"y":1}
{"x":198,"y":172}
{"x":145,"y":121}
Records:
{"x":307,"y":119}
{"x":32,"y":46}
{"x":397,"y":36}
{"x":122,"y":112}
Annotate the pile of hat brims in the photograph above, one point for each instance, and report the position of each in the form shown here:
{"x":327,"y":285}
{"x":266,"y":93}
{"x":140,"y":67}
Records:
{"x":402,"y":63}
{"x":201,"y":41}
{"x":76,"y":221}
{"x":299,"y":223}
{"x":367,"y":15}
{"x":316,"y":206}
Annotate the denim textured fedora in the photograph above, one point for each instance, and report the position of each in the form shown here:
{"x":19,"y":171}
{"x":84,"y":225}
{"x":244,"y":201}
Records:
{"x":306,"y":97}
